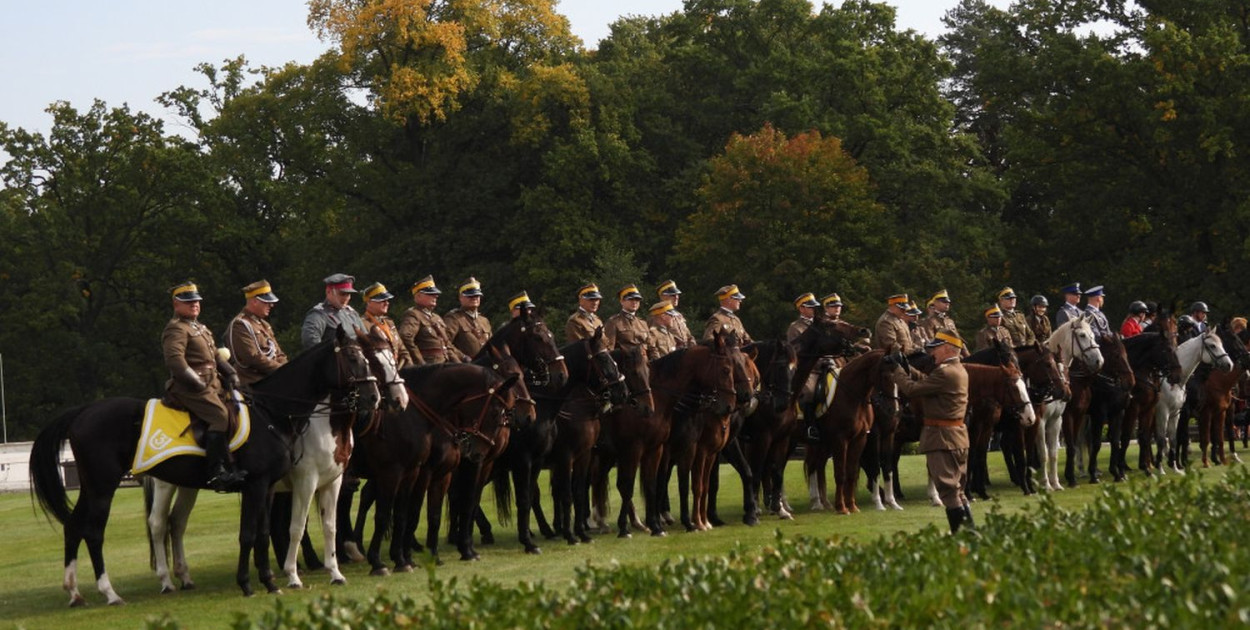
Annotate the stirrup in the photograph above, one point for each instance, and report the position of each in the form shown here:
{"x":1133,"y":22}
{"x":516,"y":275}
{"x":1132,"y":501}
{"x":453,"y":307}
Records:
{"x":813,"y":433}
{"x":225,"y":480}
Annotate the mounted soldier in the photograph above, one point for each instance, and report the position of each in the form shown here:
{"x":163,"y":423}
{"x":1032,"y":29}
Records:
{"x":938,"y":318}
{"x":466,"y":327}
{"x":377,"y":316}
{"x":806,"y":305}
{"x":626,"y":329}
{"x":1133,"y":322}
{"x":1071,"y":307}
{"x":725,"y":319}
{"x":1014,"y":321}
{"x":583,"y":323}
{"x":993,"y":330}
{"x":919,"y":337}
{"x":669,"y":292}
{"x":323,"y":318}
{"x":254,"y":351}
{"x":660,"y":337}
{"x":891,"y":332}
{"x":520,"y":304}
{"x":832,"y":304}
{"x":1094,"y":298}
{"x":194,"y":366}
{"x":423,"y":332}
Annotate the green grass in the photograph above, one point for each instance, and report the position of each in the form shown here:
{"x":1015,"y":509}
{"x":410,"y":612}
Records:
{"x":31,"y":597}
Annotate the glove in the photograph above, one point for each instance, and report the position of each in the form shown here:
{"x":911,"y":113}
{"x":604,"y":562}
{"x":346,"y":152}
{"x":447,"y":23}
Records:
{"x":895,"y":358}
{"x":233,"y":381}
{"x":189,"y":377}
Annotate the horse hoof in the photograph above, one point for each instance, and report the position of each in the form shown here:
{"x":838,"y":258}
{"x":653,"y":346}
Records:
{"x":624,"y":535}
{"x":338,"y":581}
{"x":403,"y":568}
{"x":77,"y":601}
{"x":533,"y":551}
{"x":118,"y":602}
{"x":295,"y":586}
{"x":750,"y":521}
{"x":247,"y":591}
{"x":586,"y":539}
{"x":659,"y":533}
{"x":380,"y":572}
{"x":274,"y":591}
{"x":166,"y":590}
{"x":715,"y":521}
{"x":188,"y":586}
{"x":470,"y":557}
{"x":488,"y":539}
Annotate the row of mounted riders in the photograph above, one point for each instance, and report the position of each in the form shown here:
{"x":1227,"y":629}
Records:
{"x":445,"y":431}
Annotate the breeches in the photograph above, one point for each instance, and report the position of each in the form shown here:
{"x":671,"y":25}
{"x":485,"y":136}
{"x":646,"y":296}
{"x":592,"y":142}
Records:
{"x":946,"y":469}
{"x":209,"y":409}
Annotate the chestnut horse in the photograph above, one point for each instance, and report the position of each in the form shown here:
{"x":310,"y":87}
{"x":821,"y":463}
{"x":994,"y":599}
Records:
{"x":1218,"y":397}
{"x":865,"y":390}
{"x":1097,"y":394}
{"x":1152,"y":356}
{"x":1207,"y":349}
{"x":993,"y":391}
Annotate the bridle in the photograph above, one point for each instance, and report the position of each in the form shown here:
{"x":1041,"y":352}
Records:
{"x":461,"y":435}
{"x":599,"y":360}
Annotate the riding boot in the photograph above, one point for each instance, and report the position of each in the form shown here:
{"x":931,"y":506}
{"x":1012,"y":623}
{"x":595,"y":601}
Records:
{"x":809,"y":418}
{"x":955,"y":516}
{"x":222,"y":474}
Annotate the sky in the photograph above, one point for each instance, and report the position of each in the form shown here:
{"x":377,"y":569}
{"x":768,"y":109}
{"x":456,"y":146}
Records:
{"x":130,"y":51}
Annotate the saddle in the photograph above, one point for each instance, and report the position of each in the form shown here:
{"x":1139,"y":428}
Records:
{"x":168,"y":432}
{"x":197,"y":427}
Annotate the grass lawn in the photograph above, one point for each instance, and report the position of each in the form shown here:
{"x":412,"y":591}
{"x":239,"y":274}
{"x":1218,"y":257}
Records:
{"x":31,"y":597}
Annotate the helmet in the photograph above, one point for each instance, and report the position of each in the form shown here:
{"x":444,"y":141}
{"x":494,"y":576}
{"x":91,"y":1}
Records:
{"x":1137,"y":307}
{"x":1199,"y":307}
{"x":1039,"y":300}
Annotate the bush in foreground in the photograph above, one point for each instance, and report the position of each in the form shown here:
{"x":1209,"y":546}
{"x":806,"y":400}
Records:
{"x":1163,"y":553}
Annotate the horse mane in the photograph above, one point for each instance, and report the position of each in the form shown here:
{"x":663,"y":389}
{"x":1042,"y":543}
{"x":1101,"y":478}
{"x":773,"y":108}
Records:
{"x":669,"y":365}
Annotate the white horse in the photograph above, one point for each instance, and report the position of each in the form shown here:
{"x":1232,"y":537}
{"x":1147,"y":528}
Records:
{"x":1205,"y":348}
{"x":1073,"y":340}
{"x":315,"y":470}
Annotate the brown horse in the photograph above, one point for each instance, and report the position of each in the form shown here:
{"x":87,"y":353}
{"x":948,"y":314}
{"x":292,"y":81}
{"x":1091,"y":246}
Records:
{"x":1046,"y":384}
{"x":1152,"y":355}
{"x":1097,"y":394}
{"x":993,"y":391}
{"x":1217,"y":397}
{"x":864,"y":389}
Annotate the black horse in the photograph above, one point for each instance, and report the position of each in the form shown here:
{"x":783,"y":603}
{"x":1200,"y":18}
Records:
{"x":105,"y":434}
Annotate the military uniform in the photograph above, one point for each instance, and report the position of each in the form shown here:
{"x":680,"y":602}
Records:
{"x":625,"y":330}
{"x":1068,"y":310}
{"x":390,"y":331}
{"x":944,"y":439}
{"x":469,"y":331}
{"x":192,"y":360}
{"x":892,"y":334}
{"x":725,"y":321}
{"x":425,"y":336}
{"x":988,"y":334}
{"x":660,"y":341}
{"x":1040,"y":325}
{"x":1018,"y":328}
{"x":581,"y":325}
{"x":797,"y":327}
{"x":254,"y":352}
{"x":681,"y":331}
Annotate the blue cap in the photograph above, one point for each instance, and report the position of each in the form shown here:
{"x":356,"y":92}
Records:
{"x":1075,"y":287}
{"x":1094,"y":291}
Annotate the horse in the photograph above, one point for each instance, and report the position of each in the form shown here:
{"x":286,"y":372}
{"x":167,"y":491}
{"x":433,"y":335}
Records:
{"x":1218,"y":397}
{"x":682,"y":382}
{"x":1073,"y":341}
{"x":1152,"y":356}
{"x":1099,"y":394}
{"x":865,"y":390}
{"x":994,"y":387}
{"x":1046,"y":385}
{"x":321,"y":453}
{"x":104,"y":436}
{"x":1206,"y":348}
{"x":765,"y":435}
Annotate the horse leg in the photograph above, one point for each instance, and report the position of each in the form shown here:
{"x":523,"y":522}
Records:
{"x":855,"y":451}
{"x":249,"y":506}
{"x":649,"y":473}
{"x":814,"y":466}
{"x":327,"y":496}
{"x":349,"y":540}
{"x":522,"y":482}
{"x":464,"y":500}
{"x":626,"y":471}
{"x":384,"y":486}
{"x":1071,"y":429}
{"x":434,"y":514}
{"x":581,"y":496}
{"x":303,"y":486}
{"x":178,"y":519}
{"x":540,"y":518}
{"x":889,"y":473}
{"x":159,"y":497}
{"x":683,"y":489}
{"x":562,"y":497}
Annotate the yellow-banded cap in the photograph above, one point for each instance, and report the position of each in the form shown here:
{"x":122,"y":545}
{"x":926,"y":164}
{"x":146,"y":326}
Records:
{"x":913,"y":310}
{"x":833,"y":299}
{"x":520,"y":300}
{"x":899,"y":299}
{"x":261,"y":291}
{"x":940,"y":295}
{"x":629,"y":292}
{"x":1006,"y":293}
{"x":668,"y":287}
{"x":942,"y":337}
{"x":471,"y":287}
{"x":807,"y":299}
{"x":661,"y":307}
{"x":589,"y":291}
{"x":377,"y":292}
{"x":185,"y":292}
{"x":993,"y":311}
{"x":729,"y":291}
{"x":426,"y":286}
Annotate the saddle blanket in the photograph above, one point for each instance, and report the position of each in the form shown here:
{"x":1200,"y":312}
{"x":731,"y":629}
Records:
{"x":166,"y":433}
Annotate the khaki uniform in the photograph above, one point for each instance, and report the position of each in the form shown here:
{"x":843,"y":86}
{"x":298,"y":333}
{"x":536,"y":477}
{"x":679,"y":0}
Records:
{"x":892,"y":334}
{"x":987,"y":335}
{"x":581,"y":325}
{"x":726,"y":321}
{"x":391,"y":332}
{"x":425,"y":336}
{"x":797,"y":327}
{"x":468,"y":330}
{"x":944,"y":439}
{"x":681,"y":332}
{"x":935,"y":322}
{"x":625,"y":330}
{"x":188,"y":348}
{"x":919,"y":335}
{"x":660,"y":341}
{"x":1018,"y":327}
{"x":254,"y":351}
{"x":1039,"y":325}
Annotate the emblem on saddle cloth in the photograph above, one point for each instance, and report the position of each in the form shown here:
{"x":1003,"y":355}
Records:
{"x":166,"y":433}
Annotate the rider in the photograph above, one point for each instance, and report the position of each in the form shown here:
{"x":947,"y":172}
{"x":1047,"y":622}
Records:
{"x":806,"y":305}
{"x":891,"y":331}
{"x":832,"y":304}
{"x":583,"y":322}
{"x":944,"y":439}
{"x":1014,"y":321}
{"x":377,"y":309}
{"x":254,"y":352}
{"x":626,"y":329}
{"x":660,"y":337}
{"x":1071,"y":306}
{"x":1094,"y":298}
{"x":1037,"y":320}
{"x":520,"y":303}
{"x":324,"y":317}
{"x":194,"y":365}
{"x":1132,"y":324}
{"x":466,"y":327}
{"x":725,"y":319}
{"x":939,"y":318}
{"x":993,"y":329}
{"x":669,"y":292}
{"x":423,"y":331}
{"x":919,"y":336}
{"x":1195,"y":324}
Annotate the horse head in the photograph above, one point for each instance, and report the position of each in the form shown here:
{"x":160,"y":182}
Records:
{"x":353,"y":373}
{"x":885,"y":399}
{"x":832,"y":338}
{"x":381,"y":357}
{"x":776,"y":361}
{"x":1116,"y":367}
{"x":479,"y":416}
{"x":632,"y":362}
{"x":714,"y":374}
{"x":604,"y":369}
{"x":1074,"y":340}
{"x":505,"y":365}
{"x":1044,"y":375}
{"x":746,"y":377}
{"x":1018,"y":395}
{"x":1214,"y":352}
{"x":532,"y":343}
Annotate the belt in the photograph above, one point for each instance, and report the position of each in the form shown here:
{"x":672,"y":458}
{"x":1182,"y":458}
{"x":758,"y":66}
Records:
{"x":941,"y":422}
{"x":200,"y":366}
{"x":438,"y":352}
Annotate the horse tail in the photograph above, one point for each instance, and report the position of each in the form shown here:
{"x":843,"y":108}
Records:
{"x":45,"y":464}
{"x":503,"y":494}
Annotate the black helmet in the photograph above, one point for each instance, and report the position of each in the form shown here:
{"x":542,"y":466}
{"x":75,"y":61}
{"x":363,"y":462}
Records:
{"x":1138,"y":307}
{"x":1199,"y":307}
{"x":1039,"y":300}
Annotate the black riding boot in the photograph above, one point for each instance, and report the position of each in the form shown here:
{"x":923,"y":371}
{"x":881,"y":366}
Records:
{"x":222,"y":474}
{"x":955,"y":516}
{"x":809,"y":418}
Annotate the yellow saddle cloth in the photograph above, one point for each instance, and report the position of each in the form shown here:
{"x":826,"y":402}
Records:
{"x":165,"y":434}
